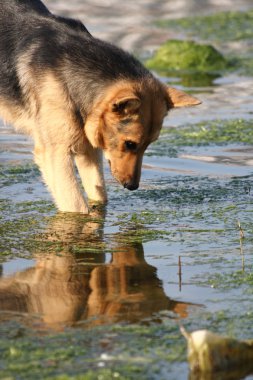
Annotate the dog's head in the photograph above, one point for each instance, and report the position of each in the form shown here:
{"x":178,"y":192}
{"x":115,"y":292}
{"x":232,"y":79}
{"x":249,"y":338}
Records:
{"x":127,"y":119}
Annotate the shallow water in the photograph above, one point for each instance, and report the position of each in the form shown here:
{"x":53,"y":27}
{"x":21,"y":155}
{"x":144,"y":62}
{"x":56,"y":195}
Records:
{"x":105,"y":293}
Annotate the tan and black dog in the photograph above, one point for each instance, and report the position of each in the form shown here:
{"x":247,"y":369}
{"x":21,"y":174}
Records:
{"x":77,"y":96}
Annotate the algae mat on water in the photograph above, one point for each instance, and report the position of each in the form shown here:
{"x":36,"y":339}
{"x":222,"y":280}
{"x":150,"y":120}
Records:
{"x":222,"y":132}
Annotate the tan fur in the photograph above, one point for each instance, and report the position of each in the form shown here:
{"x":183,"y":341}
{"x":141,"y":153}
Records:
{"x":148,"y":107}
{"x":61,"y":142}
{"x":22,"y":117}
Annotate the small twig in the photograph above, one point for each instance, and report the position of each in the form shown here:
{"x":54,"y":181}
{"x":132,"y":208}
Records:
{"x":180,"y":273}
{"x":240,"y":229}
{"x":241,"y":244}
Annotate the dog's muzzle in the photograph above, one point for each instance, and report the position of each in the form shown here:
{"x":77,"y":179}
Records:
{"x":131,"y":186}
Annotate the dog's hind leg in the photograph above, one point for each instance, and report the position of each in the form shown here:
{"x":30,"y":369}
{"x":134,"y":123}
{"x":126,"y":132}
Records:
{"x":90,"y":168}
{"x":57,"y":167}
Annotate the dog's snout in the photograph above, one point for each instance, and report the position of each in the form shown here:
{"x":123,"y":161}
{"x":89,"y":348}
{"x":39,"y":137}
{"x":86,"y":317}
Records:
{"x":131,"y":186}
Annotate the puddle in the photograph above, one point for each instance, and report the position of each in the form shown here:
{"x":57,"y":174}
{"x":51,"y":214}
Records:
{"x":125,"y":275}
{"x":102,"y":296}
{"x":213,"y":161}
{"x":66,"y":289}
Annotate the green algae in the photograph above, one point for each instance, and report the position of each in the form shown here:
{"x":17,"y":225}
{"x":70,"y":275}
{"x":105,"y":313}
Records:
{"x":219,"y":132}
{"x":157,"y":351}
{"x":233,"y":280}
{"x":210,"y":132}
{"x":244,"y":64}
{"x":223,"y":26}
{"x":187,"y":56}
{"x":190,"y":78}
{"x":82,"y":354}
{"x":11,"y":174}
{"x":20,"y":225}
{"x":141,"y":235}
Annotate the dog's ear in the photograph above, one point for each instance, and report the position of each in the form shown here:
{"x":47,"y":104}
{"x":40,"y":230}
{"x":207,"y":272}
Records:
{"x":127,"y":105}
{"x":178,"y":98}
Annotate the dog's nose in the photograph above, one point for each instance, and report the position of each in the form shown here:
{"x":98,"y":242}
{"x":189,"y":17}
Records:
{"x":131,"y":186}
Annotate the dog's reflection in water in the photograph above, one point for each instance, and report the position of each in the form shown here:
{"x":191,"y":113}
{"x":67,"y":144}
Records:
{"x":73,"y":287}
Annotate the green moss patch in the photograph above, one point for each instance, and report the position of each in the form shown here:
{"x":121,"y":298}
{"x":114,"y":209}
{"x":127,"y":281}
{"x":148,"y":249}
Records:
{"x":187,"y":56}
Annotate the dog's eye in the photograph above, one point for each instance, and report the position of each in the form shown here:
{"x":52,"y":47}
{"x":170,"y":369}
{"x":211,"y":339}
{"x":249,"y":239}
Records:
{"x":130,"y":145}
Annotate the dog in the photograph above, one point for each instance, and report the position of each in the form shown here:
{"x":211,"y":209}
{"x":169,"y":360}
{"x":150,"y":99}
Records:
{"x":78,"y":96}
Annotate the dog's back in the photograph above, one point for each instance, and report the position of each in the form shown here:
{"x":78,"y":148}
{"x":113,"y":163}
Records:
{"x":22,"y":23}
{"x":23,"y":6}
{"x":48,"y":41}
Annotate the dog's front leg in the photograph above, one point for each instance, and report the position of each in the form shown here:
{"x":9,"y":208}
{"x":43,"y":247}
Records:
{"x":90,"y":168}
{"x":57,"y":167}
